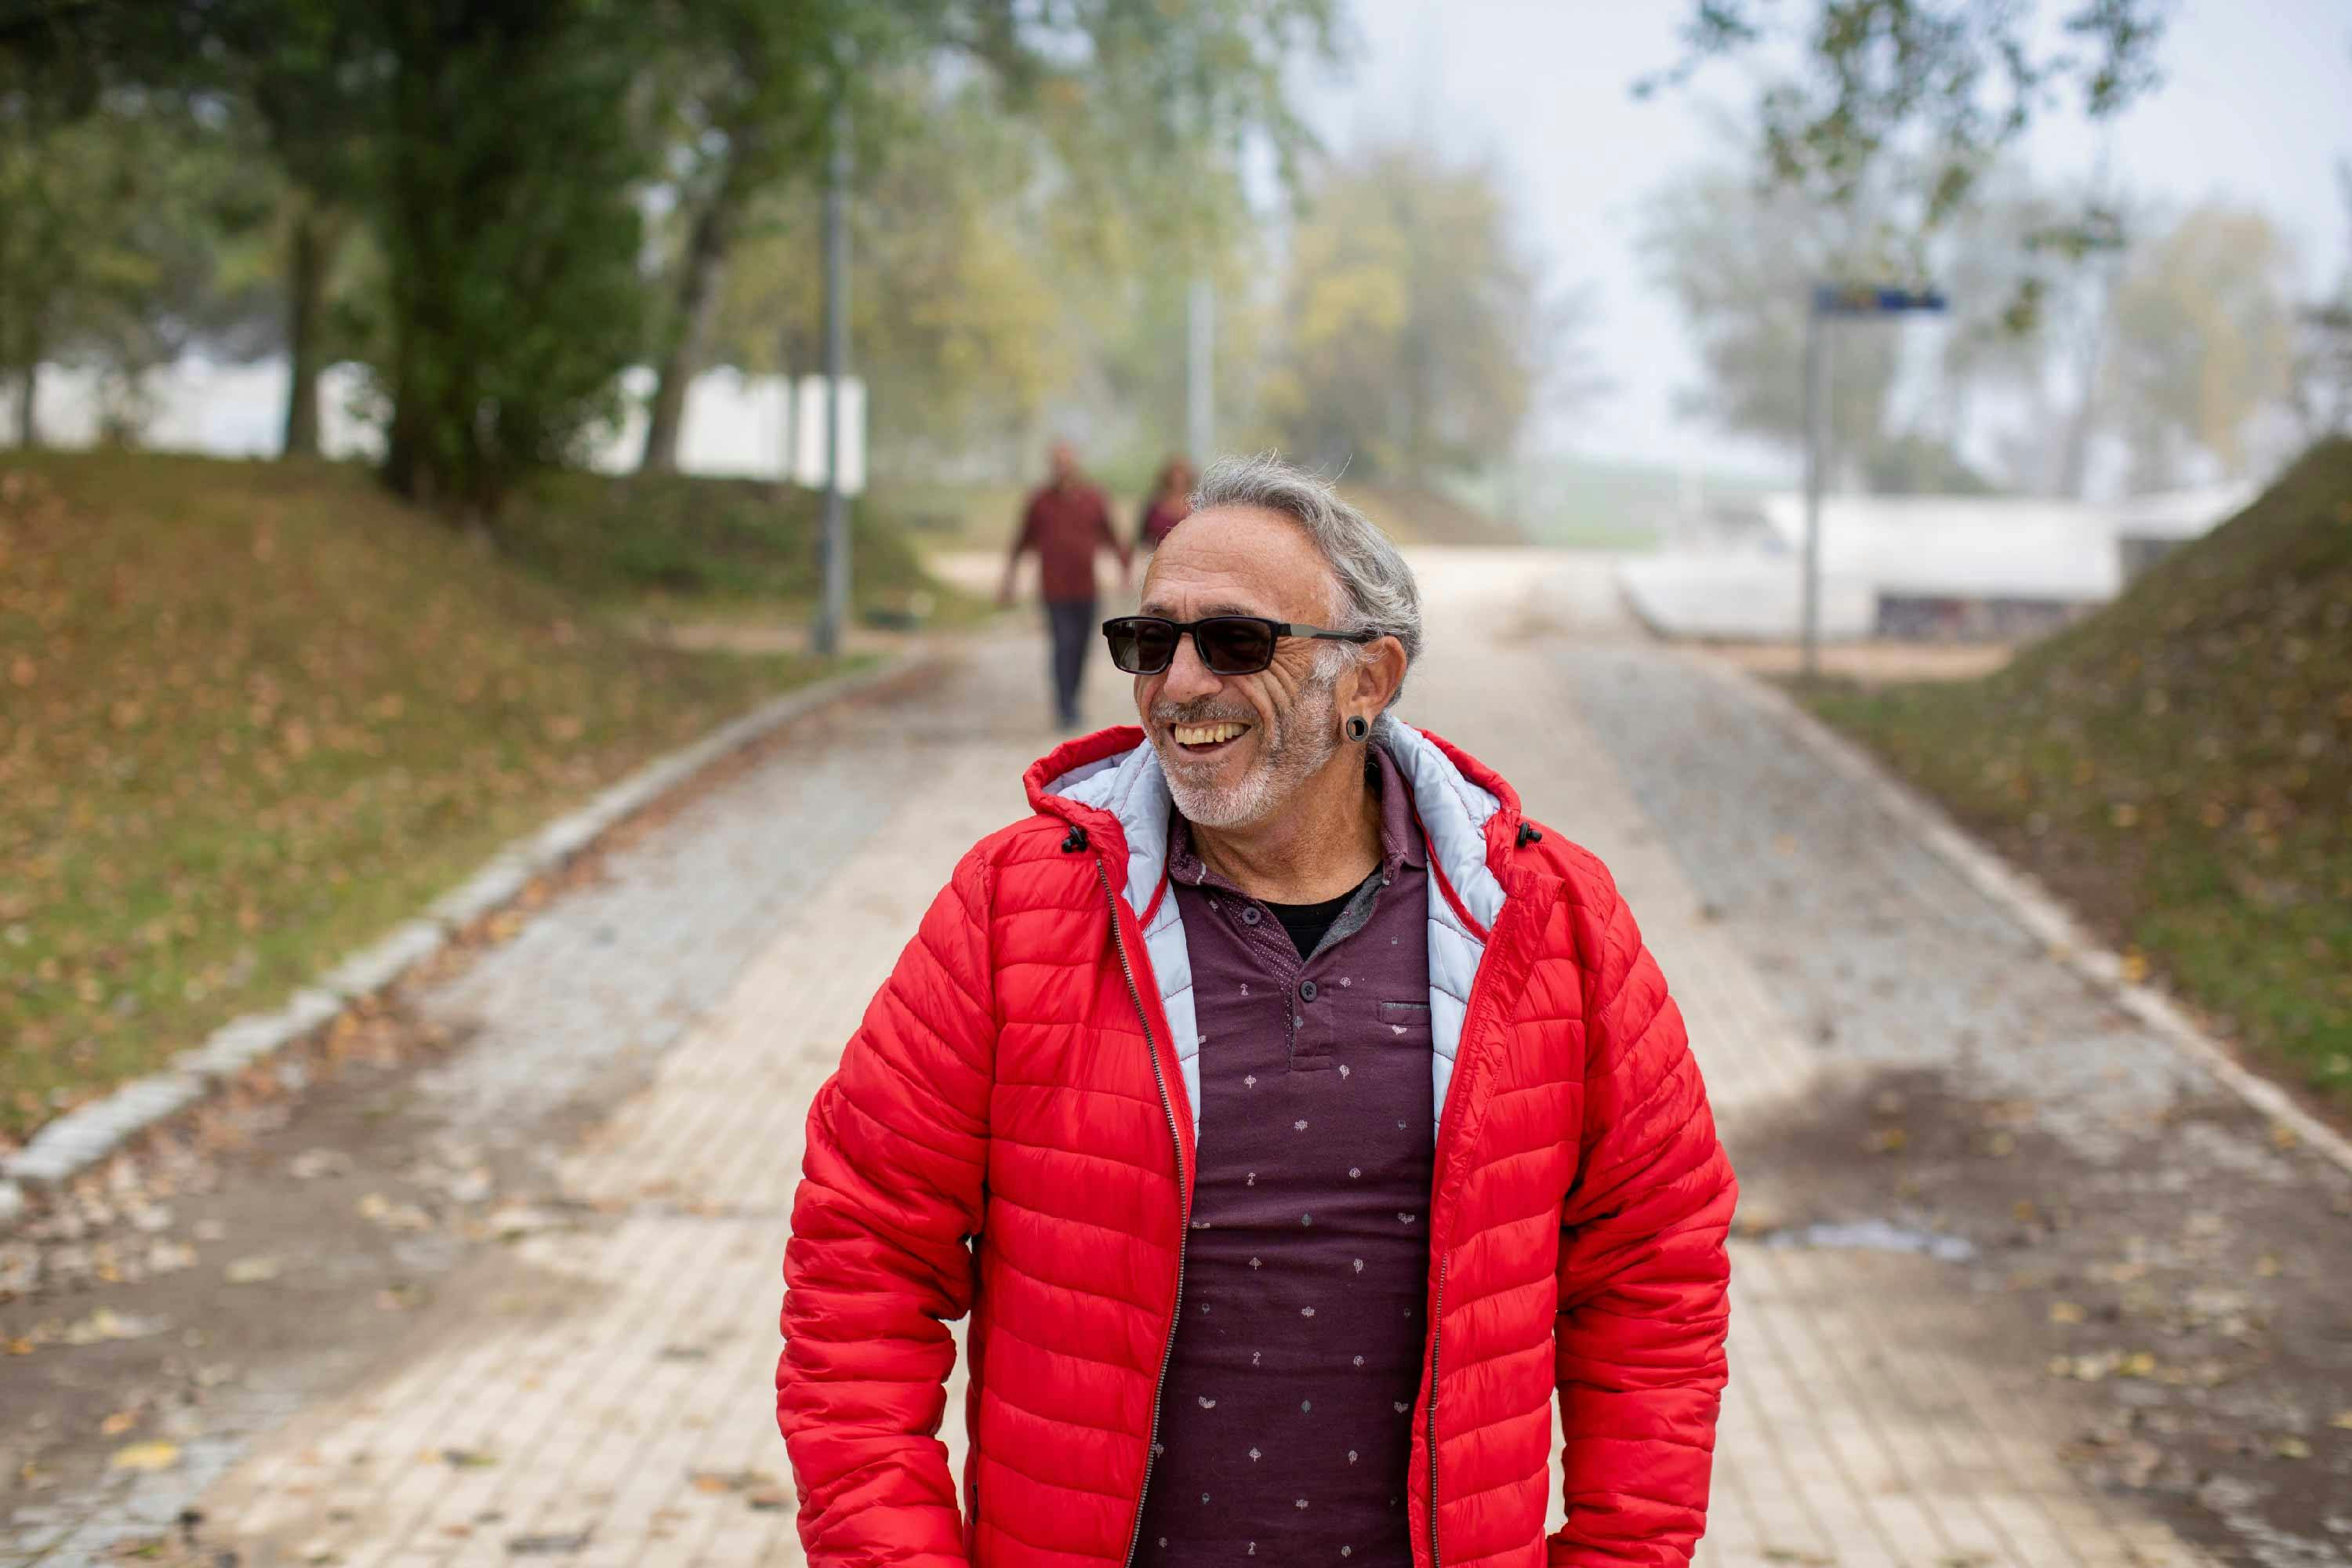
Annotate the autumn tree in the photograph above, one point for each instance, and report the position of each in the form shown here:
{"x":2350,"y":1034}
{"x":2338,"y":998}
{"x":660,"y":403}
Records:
{"x":1139,"y":108}
{"x":2200,"y":344}
{"x":1420,"y":337}
{"x":1745,"y":304}
{"x":955,"y":308}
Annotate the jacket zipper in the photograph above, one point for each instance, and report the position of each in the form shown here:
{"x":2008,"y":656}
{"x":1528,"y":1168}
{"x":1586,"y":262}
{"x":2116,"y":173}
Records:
{"x":1437,"y":1314}
{"x":1183,"y":1206}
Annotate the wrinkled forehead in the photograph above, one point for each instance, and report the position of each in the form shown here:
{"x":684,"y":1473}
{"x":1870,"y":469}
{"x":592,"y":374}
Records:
{"x":1241,"y":561}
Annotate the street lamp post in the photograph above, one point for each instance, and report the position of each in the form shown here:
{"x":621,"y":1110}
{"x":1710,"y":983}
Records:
{"x":834,"y":609}
{"x":1201,"y":368}
{"x":1833,"y":300}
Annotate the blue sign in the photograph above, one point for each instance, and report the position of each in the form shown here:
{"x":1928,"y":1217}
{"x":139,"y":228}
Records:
{"x":1871,"y":299}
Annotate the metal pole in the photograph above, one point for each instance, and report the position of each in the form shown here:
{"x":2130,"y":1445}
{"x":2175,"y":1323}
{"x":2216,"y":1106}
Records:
{"x":834,"y":612}
{"x":1201,"y":369}
{"x":1816,"y":417}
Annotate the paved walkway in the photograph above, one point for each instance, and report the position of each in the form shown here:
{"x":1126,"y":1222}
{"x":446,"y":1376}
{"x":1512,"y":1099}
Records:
{"x":610,"y":1405}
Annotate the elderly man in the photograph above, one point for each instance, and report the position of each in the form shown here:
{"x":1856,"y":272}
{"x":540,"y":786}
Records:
{"x":1295,"y":1119}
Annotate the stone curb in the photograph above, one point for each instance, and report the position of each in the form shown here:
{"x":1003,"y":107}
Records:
{"x":82,"y":1137}
{"x":2033,"y":906}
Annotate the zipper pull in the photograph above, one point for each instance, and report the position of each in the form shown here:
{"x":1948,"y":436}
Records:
{"x":1075,"y":841}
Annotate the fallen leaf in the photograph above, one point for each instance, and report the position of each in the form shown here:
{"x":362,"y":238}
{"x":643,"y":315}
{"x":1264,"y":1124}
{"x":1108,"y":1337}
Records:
{"x":313,"y":1163}
{"x":2065,"y":1313}
{"x":2341,"y":1421}
{"x":106,"y":1324}
{"x":2291,"y":1449}
{"x":392,"y":1215}
{"x":252,"y":1270}
{"x":770,"y":1500}
{"x":116,"y":1424}
{"x":466,"y":1459}
{"x":548,"y":1545}
{"x":145,"y":1457}
{"x":2267,"y":1265}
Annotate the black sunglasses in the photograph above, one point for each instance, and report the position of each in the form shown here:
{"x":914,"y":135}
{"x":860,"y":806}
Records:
{"x":1228,"y":645}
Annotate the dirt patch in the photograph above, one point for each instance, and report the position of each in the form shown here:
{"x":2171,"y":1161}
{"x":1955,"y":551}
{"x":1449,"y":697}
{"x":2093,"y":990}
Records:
{"x":2192,"y":1330}
{"x":1870,"y":663}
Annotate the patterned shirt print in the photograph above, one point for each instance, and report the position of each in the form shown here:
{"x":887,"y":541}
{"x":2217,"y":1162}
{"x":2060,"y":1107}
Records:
{"x":1287,"y":1420}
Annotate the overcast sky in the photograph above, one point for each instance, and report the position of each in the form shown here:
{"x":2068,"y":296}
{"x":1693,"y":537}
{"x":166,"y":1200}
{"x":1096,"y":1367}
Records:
{"x":2256,"y":105}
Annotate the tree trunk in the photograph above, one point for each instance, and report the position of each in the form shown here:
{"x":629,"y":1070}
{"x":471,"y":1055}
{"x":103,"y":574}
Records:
{"x":28,"y":383}
{"x":698,"y":300}
{"x":312,"y":251}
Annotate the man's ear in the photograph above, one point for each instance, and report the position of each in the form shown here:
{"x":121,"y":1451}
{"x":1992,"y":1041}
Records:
{"x":1379,"y":672}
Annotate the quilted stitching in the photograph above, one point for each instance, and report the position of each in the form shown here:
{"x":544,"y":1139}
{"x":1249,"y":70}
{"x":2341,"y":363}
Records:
{"x":996,"y":1142}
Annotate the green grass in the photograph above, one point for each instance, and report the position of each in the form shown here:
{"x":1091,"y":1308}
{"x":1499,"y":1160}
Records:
{"x":2179,"y":766}
{"x":253,"y":714}
{"x":717,"y":548}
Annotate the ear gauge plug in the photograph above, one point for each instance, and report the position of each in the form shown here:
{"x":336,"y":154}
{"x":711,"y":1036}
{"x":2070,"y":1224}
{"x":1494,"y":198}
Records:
{"x":1357,"y":728}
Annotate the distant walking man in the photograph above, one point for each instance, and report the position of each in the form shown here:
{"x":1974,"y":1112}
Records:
{"x":1297,"y":1121}
{"x":1065,"y":522}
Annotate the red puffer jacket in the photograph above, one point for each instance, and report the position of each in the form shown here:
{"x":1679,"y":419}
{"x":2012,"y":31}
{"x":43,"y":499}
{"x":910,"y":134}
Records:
{"x":1011,"y":1132}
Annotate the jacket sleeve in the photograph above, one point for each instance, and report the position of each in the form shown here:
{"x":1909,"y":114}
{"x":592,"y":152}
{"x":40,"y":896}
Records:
{"x":1643,"y":1275}
{"x":877,"y":1264}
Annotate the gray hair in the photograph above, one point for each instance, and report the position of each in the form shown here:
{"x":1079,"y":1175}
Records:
{"x":1377,"y":592}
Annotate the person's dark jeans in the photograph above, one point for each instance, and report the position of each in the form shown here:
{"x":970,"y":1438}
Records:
{"x":1071,"y":626}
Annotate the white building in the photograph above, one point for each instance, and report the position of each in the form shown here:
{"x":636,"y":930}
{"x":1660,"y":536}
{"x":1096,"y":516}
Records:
{"x":1944,"y":567}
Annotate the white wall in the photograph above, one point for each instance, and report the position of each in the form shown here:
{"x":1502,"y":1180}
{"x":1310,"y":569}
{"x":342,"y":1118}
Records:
{"x":735,"y":425}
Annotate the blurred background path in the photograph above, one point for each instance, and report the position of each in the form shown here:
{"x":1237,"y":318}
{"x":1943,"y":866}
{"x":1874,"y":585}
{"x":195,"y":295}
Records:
{"x":1908,"y":1085}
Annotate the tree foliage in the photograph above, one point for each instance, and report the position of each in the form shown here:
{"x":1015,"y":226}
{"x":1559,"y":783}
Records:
{"x":499,"y":207}
{"x":1137,"y":109}
{"x":955,"y":316}
{"x":1746,"y":302}
{"x":2201,"y":342}
{"x":123,"y":212}
{"x":504,"y":192}
{"x":1914,"y":100}
{"x":1418,"y":335}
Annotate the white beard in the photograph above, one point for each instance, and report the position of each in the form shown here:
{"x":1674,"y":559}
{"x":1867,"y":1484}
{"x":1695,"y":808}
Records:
{"x":1290,"y":751}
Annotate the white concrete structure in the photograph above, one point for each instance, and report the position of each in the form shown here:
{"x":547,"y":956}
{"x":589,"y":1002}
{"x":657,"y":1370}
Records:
{"x":1917,"y":565}
{"x":735,"y":425}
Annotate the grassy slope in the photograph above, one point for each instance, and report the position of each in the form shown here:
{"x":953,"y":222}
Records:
{"x":251,"y":715}
{"x":2180,"y":766}
{"x":703,"y":546}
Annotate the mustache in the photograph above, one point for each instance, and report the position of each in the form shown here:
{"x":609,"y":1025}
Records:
{"x":1167,"y":713}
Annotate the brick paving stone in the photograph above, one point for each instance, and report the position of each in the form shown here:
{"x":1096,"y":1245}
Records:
{"x":1851,"y":1436}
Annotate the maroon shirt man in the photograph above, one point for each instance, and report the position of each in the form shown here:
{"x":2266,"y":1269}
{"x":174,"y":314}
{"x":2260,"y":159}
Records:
{"x":1065,"y":523}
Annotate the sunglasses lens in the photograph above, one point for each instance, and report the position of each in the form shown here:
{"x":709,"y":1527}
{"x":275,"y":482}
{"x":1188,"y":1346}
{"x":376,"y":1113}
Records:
{"x":1236,"y":646}
{"x":1140,"y":646}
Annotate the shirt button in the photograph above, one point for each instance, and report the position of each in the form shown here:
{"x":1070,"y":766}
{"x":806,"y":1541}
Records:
{"x":1249,"y":915}
{"x":1307,"y":990}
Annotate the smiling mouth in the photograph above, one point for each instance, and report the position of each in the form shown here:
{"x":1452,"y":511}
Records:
{"x":1206,"y":739}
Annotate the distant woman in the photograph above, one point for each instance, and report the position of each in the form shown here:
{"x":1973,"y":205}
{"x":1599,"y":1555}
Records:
{"x":1169,"y":501}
